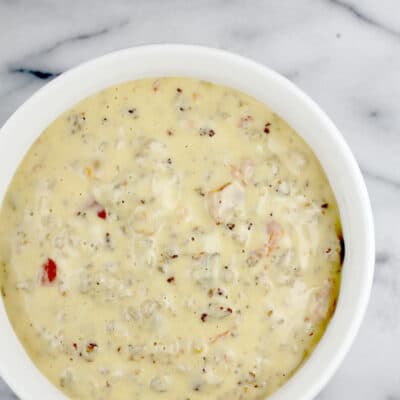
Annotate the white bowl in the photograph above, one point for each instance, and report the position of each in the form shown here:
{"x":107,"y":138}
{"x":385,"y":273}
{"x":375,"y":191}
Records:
{"x":26,"y":124}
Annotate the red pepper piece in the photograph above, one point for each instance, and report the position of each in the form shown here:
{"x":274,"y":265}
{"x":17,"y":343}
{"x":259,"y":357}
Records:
{"x":49,"y":271}
{"x":102,"y":214}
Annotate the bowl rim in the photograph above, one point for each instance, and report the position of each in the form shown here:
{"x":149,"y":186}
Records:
{"x":296,"y":386}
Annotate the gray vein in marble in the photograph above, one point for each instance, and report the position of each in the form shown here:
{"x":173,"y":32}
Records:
{"x":292,"y":75}
{"x":356,"y":12}
{"x":383,"y":179}
{"x":374,"y":113}
{"x":245,"y":33}
{"x":385,"y":266}
{"x":76,"y":38}
{"x":84,"y":36}
{"x":382,"y":258}
{"x":44,"y":75}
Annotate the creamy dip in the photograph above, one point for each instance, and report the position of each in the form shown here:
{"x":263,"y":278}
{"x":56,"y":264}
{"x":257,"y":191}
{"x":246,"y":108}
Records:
{"x":169,"y":239}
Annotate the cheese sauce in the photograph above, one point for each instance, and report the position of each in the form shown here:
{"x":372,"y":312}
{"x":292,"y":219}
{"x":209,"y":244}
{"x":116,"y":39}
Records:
{"x":169,"y":239}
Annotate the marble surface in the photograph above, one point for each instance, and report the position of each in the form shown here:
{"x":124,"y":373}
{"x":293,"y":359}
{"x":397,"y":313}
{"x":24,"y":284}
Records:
{"x":344,"y":53}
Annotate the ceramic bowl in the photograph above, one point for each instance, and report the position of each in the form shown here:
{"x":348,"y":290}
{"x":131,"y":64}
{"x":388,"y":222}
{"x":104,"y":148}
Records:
{"x":26,"y":124}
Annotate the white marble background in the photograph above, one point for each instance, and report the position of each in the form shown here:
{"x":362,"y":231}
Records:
{"x":344,"y":53}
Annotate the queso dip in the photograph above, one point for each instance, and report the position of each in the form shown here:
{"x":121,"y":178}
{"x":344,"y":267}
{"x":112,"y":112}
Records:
{"x":169,"y":239}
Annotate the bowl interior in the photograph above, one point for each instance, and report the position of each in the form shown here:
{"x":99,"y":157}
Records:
{"x":20,"y":131}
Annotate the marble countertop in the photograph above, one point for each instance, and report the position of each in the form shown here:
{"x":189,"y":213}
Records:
{"x":344,"y":53}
